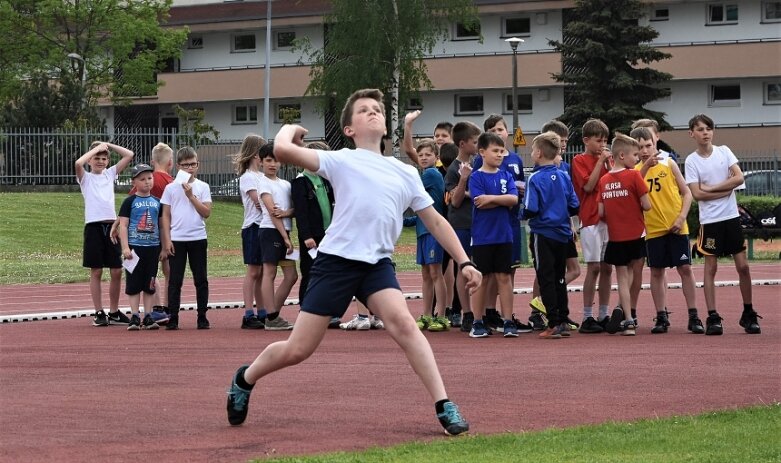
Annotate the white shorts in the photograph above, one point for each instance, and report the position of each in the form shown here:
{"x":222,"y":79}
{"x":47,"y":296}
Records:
{"x":593,"y":241}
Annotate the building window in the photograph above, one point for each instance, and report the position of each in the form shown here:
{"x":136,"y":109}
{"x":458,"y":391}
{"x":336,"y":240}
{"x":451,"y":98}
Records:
{"x":516,"y":27}
{"x":466,"y":32}
{"x":524,"y":103}
{"x":414,"y":103}
{"x":284,"y":39}
{"x":195,"y":42}
{"x":287,"y":113}
{"x":772,"y":91}
{"x":722,"y":13}
{"x":469,"y":104}
{"x":724,"y":95}
{"x":660,"y":14}
{"x":771,"y":12}
{"x":245,"y":114}
{"x":243,"y":43}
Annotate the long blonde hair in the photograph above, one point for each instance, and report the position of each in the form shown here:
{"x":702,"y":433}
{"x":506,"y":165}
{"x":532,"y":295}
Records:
{"x":249,"y":149}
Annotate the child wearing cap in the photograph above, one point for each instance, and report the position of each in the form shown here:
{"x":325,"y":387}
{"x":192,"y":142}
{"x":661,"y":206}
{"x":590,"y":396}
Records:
{"x":139,"y":234}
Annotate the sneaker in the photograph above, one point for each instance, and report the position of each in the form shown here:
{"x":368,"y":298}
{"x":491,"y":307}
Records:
{"x":135,"y":323}
{"x":158,"y":315}
{"x":550,"y":333}
{"x":203,"y":323}
{"x":590,"y":326}
{"x":100,"y":319}
{"x":573,"y":325}
{"x":173,"y":324}
{"x":149,"y":323}
{"x":278,"y":324}
{"x":628,"y":328}
{"x":376,"y":323}
{"x":357,"y":323}
{"x":750,"y":323}
{"x":424,"y":321}
{"x":451,"y":420}
{"x":538,"y":321}
{"x":118,"y":317}
{"x":466,"y":322}
{"x":521,"y":327}
{"x":453,"y":317}
{"x":478,"y":330}
{"x":509,"y":329}
{"x":334,"y":323}
{"x":662,"y":323}
{"x":238,"y":400}
{"x":604,"y":322}
{"x":439,"y":324}
{"x":713,"y":325}
{"x":563,"y":330}
{"x":251,"y":323}
{"x":695,"y":325}
{"x":614,"y":324}
{"x":493,"y":321}
{"x":536,"y":304}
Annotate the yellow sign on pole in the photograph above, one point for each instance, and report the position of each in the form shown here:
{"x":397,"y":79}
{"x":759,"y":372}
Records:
{"x":519,"y":139}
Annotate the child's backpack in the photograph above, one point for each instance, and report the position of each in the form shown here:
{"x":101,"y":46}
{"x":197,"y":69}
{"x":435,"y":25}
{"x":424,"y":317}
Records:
{"x":747,"y":219}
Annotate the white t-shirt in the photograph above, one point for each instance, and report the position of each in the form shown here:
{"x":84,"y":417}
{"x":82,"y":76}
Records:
{"x":713,"y":170}
{"x":250,"y":181}
{"x":98,"y":192}
{"x":186,"y":223}
{"x":372,"y":192}
{"x":283,"y":199}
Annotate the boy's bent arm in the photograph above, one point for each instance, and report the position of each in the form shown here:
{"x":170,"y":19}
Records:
{"x":268,"y":201}
{"x":734,"y":181}
{"x":686,"y":198}
{"x":645,"y":202}
{"x":289,"y":148}
{"x":445,"y":236}
{"x":700,"y":195}
{"x":165,"y":232}
{"x":407,"y":144}
{"x":79,"y":165}
{"x":125,"y":156}
{"x":123,"y":222}
{"x":593,"y":179}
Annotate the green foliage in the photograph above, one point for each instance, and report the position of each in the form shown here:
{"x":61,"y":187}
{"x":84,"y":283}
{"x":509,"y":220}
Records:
{"x":757,"y":205}
{"x":193,"y":130}
{"x":605,"y":61}
{"x":370,"y":42}
{"x":121,"y":43}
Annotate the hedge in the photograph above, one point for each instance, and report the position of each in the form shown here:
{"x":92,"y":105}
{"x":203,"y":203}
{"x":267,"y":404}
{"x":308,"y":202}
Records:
{"x":757,"y":205}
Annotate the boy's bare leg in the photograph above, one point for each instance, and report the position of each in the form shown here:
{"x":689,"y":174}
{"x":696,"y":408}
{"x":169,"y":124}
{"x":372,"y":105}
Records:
{"x":536,"y":288}
{"x":505,"y":288}
{"x":687,"y":285}
{"x":572,"y":274}
{"x":590,"y":283}
{"x":134,"y":300}
{"x":463,"y":294}
{"x":435,"y":270}
{"x":307,"y":334}
{"x":605,"y":277}
{"x":95,"y":289}
{"x":450,"y":282}
{"x":491,"y":293}
{"x":250,"y":286}
{"x":267,"y":286}
{"x":149,"y":302}
{"x":113,"y":288}
{"x":744,"y":276}
{"x":708,"y":286}
{"x":478,"y":300}
{"x":659,"y":289}
{"x":636,"y":270}
{"x":390,"y":305}
{"x":289,"y":278}
{"x":427,"y":289}
{"x":624,"y":278}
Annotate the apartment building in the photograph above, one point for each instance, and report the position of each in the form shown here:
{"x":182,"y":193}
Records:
{"x":726,"y":62}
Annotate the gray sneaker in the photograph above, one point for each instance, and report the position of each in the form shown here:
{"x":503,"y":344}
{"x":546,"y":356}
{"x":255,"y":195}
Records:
{"x":278,"y":324}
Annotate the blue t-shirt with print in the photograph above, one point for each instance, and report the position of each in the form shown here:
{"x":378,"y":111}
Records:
{"x":143,"y":213}
{"x":513,"y":164}
{"x":492,"y":225}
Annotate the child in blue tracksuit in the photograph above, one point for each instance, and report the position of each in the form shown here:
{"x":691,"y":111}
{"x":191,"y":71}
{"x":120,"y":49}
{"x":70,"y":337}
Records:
{"x":549,"y":202}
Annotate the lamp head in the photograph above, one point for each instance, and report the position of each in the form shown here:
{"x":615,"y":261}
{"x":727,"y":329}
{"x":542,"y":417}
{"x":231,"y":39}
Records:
{"x":514,"y":41}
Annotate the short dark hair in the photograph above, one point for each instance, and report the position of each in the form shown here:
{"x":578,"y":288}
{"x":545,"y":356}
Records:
{"x":557,"y":127}
{"x":347,"y":112}
{"x":641,"y":133}
{"x":700,"y":118}
{"x":595,"y":128}
{"x":487,"y":139}
{"x":448,"y":153}
{"x":464,"y":131}
{"x":185,"y":153}
{"x":267,"y":151}
{"x":444,"y":125}
{"x":492,"y":120}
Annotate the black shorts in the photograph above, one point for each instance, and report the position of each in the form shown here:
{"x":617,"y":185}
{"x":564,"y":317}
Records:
{"x":250,"y":245}
{"x":144,"y":276}
{"x":667,"y":251}
{"x":99,"y":251}
{"x":620,"y":253}
{"x":334,"y":280}
{"x":272,"y":246}
{"x":493,"y":258}
{"x":572,"y":249}
{"x":721,"y":238}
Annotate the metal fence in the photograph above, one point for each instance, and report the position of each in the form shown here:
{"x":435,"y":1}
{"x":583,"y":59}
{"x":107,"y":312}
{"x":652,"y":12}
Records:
{"x":46,"y":157}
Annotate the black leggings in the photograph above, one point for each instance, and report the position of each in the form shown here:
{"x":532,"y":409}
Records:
{"x":196,"y":251}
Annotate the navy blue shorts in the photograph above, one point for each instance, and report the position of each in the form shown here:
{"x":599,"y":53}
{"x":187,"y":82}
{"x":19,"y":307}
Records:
{"x":620,"y":253}
{"x":272,"y":246}
{"x":667,"y":251}
{"x":516,"y":251}
{"x":334,"y":280}
{"x":250,"y":245}
{"x":144,"y":276}
{"x":465,"y":237}
{"x":429,"y":250}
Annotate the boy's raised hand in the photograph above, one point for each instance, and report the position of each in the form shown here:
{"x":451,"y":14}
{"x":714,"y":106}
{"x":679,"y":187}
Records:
{"x":464,"y":170}
{"x":411,"y":116}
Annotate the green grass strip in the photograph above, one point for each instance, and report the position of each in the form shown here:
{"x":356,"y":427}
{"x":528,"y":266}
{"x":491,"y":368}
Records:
{"x":744,"y":435}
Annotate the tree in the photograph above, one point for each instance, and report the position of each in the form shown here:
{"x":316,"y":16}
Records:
{"x":121,"y":44}
{"x":194,"y":130}
{"x":381,"y":44}
{"x":605,"y":64}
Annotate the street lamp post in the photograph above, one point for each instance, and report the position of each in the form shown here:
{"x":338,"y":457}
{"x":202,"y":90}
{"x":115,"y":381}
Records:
{"x":78,"y":57}
{"x":514,"y":41}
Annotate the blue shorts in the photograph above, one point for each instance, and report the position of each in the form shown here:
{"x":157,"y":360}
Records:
{"x":250,"y":245}
{"x":334,"y":280}
{"x":465,"y":237}
{"x":516,"y":250}
{"x":272,"y":246}
{"x":429,"y":250}
{"x":667,"y":251}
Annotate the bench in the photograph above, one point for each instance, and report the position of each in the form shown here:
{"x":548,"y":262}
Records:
{"x":764,"y":233}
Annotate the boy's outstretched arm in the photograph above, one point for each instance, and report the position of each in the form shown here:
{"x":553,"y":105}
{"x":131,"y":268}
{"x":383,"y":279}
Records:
{"x":407,"y":144}
{"x":289,"y":148}
{"x":444,"y":234}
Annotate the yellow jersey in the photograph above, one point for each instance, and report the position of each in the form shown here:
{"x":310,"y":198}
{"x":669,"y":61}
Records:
{"x":665,"y":199}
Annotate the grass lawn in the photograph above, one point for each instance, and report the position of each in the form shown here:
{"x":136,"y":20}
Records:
{"x":747,"y":435}
{"x":41,"y":239}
